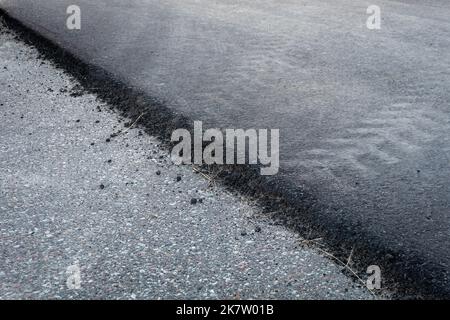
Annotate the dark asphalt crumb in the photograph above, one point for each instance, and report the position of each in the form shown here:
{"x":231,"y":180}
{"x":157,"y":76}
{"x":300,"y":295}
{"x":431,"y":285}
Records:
{"x":109,"y":161}
{"x":78,"y":120}
{"x":108,"y":140}
{"x":115,"y":134}
{"x":243,"y":233}
{"x":178,"y":178}
{"x":92,"y":143}
{"x":193,"y":201}
{"x":98,"y":121}
{"x":158,"y":173}
{"x":102,"y":186}
{"x":76,"y":91}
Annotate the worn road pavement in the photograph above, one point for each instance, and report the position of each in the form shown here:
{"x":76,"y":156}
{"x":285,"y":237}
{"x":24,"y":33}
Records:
{"x":363,"y":114}
{"x":122,"y":213}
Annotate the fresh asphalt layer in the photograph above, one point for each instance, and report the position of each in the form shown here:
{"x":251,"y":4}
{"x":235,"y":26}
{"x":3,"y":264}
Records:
{"x":136,"y":225}
{"x":363,"y":114}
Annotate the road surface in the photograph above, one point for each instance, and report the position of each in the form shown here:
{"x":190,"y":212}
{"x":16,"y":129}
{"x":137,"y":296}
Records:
{"x":363,"y":114}
{"x":122,"y":213}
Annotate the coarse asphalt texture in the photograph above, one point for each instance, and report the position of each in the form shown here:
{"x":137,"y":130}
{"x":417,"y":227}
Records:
{"x":136,"y":225}
{"x":363,"y":114}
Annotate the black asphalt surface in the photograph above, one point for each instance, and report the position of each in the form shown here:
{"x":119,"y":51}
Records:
{"x":363,"y":114}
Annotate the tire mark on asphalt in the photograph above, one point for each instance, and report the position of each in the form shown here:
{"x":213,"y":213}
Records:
{"x":385,"y":138}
